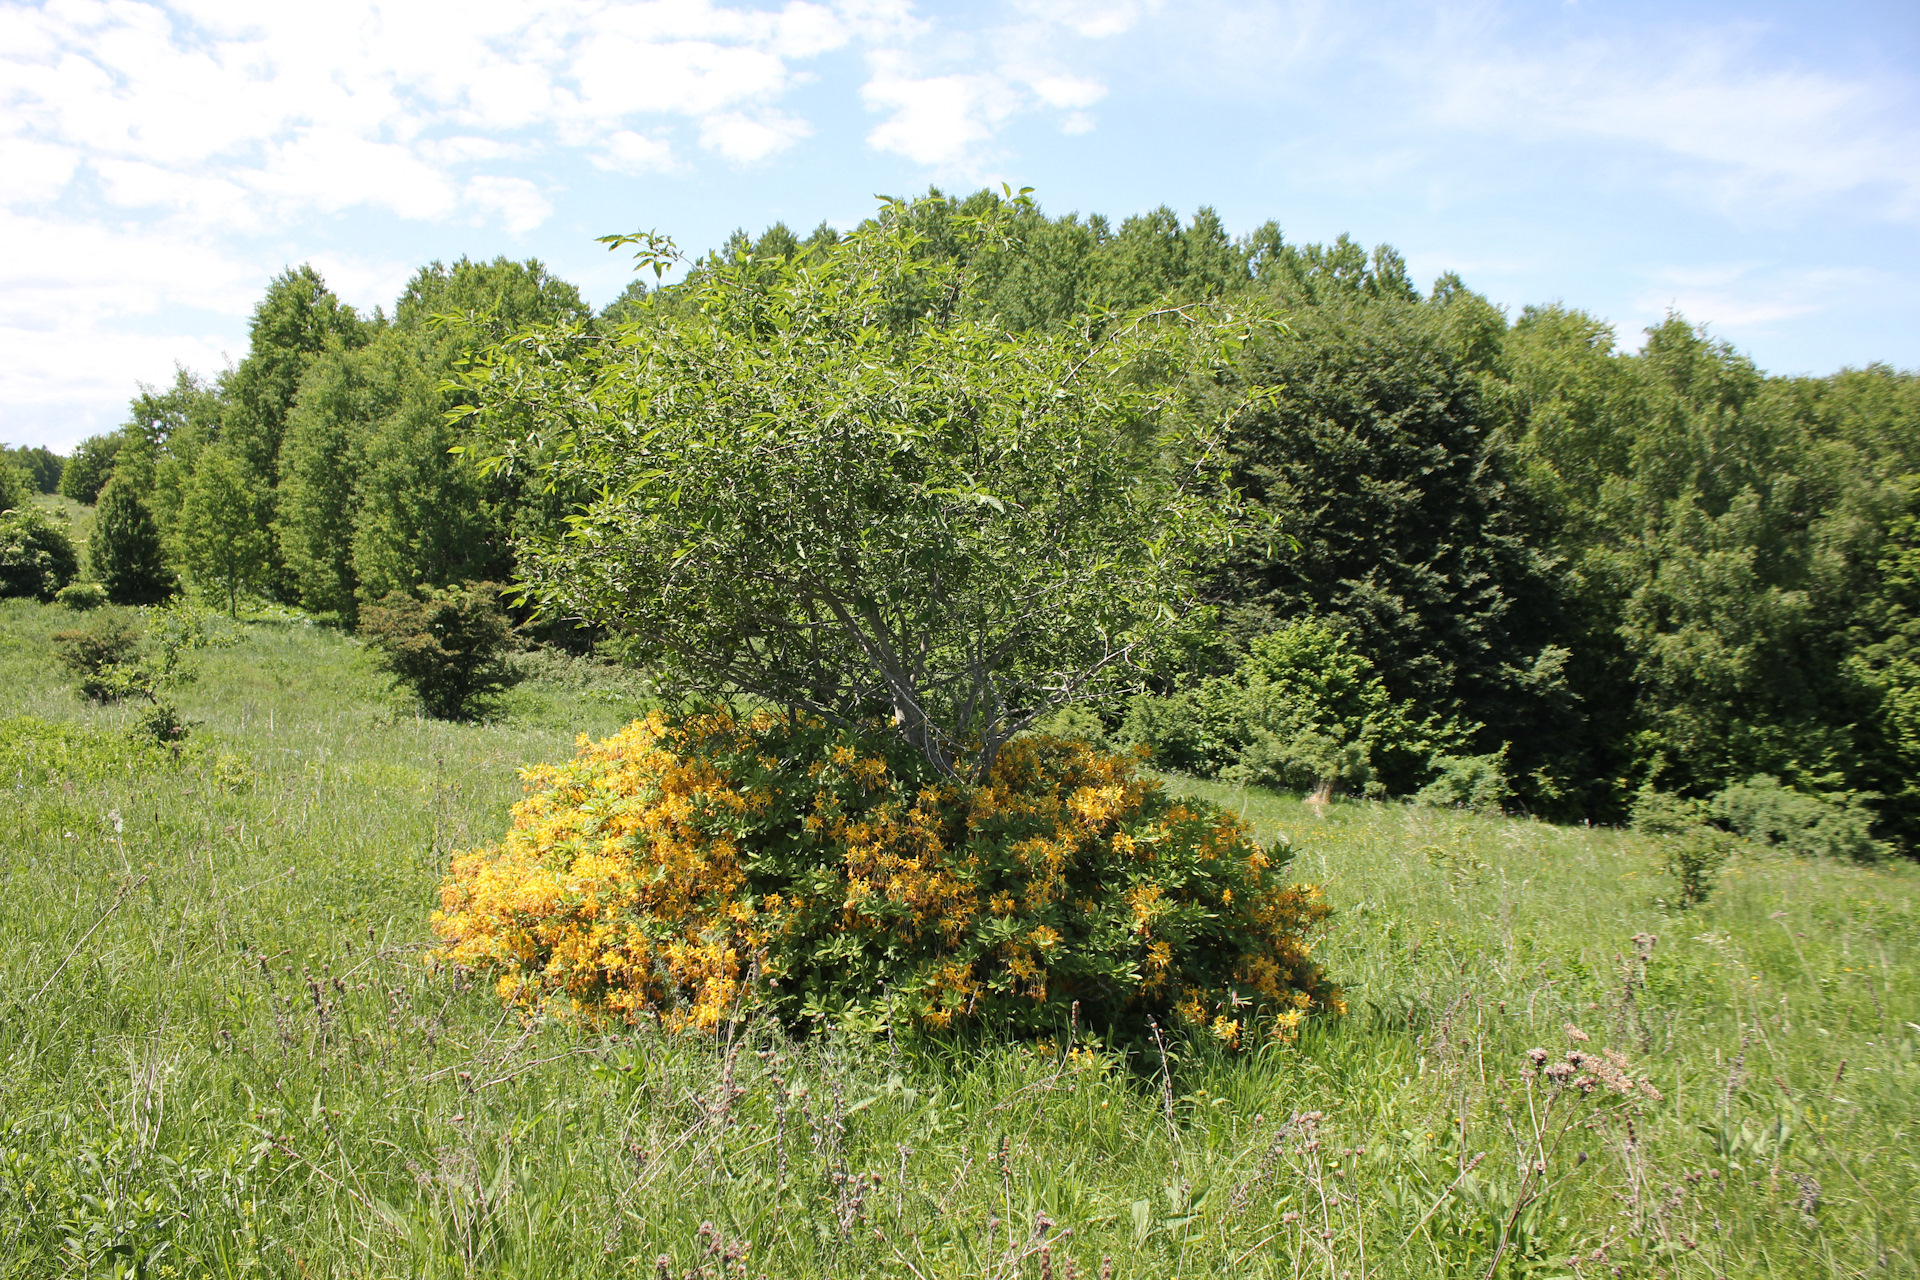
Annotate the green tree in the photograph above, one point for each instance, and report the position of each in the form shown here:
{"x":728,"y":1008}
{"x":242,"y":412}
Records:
{"x":90,"y":467}
{"x":125,"y":552}
{"x":422,"y":513}
{"x":1377,"y":458}
{"x":345,"y":397}
{"x":814,"y":492}
{"x":291,"y":326}
{"x":168,"y":427}
{"x":222,"y":544}
{"x":374,"y":497}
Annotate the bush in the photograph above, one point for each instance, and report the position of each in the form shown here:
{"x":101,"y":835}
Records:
{"x":1768,"y":813}
{"x":695,"y":870}
{"x":1694,"y":851}
{"x":36,"y":556}
{"x":1303,"y":710}
{"x":450,"y":648}
{"x":103,"y":655}
{"x":16,"y":491}
{"x":1478,"y":783}
{"x":81,"y":596}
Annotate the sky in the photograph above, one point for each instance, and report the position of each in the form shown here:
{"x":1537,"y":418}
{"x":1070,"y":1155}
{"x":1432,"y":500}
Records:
{"x":1754,"y":166}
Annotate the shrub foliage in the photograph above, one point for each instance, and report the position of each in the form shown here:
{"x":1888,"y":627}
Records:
{"x":101,"y":654}
{"x":36,"y":555}
{"x":691,"y":870}
{"x":449,"y":647}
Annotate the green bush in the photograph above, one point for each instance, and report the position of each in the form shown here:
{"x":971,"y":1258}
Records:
{"x":81,"y":596}
{"x":1075,"y":722}
{"x":693,"y":871}
{"x":1765,"y":812}
{"x":1476,"y":783}
{"x":104,"y":654}
{"x":449,"y":647}
{"x":1303,"y":710}
{"x":38,"y":753}
{"x":16,"y":491}
{"x":36,"y":555}
{"x":1693,"y":850}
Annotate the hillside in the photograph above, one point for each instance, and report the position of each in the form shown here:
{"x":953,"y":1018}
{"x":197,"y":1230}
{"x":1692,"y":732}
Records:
{"x":222,"y":1053}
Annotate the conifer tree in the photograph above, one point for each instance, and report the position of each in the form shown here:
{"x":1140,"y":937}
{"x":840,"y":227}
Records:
{"x":125,"y":551}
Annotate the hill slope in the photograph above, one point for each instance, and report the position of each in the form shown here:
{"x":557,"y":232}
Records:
{"x":220,"y":1051}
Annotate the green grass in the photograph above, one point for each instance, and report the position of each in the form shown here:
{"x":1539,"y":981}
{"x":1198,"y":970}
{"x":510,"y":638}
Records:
{"x":221,"y":1053}
{"x":78,"y":518}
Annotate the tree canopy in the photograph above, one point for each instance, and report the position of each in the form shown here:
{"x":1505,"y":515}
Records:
{"x":828,"y":487}
{"x":1603,"y":572}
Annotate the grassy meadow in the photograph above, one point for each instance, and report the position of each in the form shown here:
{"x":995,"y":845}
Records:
{"x":221,"y":1052}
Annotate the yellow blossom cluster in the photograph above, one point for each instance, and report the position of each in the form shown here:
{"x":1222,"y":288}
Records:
{"x":688,"y":870}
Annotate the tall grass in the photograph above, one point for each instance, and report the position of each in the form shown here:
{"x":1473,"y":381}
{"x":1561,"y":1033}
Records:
{"x":221,"y":1052}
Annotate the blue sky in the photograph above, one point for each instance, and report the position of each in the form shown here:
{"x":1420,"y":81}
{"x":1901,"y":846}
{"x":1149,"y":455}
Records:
{"x":1756,"y":166}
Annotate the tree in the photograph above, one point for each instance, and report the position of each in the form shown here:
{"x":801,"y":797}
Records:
{"x":168,"y":427}
{"x":421,"y":515}
{"x":291,"y":326}
{"x":827,"y":488}
{"x":221,"y":542}
{"x":1378,"y":458}
{"x":344,"y":398}
{"x":125,"y":551}
{"x":90,"y":467}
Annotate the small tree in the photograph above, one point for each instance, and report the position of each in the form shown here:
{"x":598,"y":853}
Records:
{"x":221,"y":540}
{"x":86,"y":473}
{"x":814,"y":481}
{"x":449,"y":647}
{"x":125,"y":552}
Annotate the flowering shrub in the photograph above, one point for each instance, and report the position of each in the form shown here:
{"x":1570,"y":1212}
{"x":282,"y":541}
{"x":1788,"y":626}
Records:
{"x":690,"y":870}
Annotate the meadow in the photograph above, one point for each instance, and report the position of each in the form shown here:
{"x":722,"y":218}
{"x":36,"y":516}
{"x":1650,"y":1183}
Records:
{"x":223,"y":1050}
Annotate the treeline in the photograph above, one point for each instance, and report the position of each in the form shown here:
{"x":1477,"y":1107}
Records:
{"x":1598,"y":573}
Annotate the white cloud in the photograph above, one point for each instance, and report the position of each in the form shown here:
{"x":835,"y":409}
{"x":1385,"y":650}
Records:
{"x":628,"y":152}
{"x":384,"y":105}
{"x":1737,"y":133}
{"x":936,"y":120}
{"x":330,"y":169}
{"x":519,"y":203}
{"x":1068,"y":91}
{"x":211,"y":201}
{"x":1744,"y":297}
{"x":947,"y":96}
{"x":1094,"y":19}
{"x":746,"y":139}
{"x":36,"y":171}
